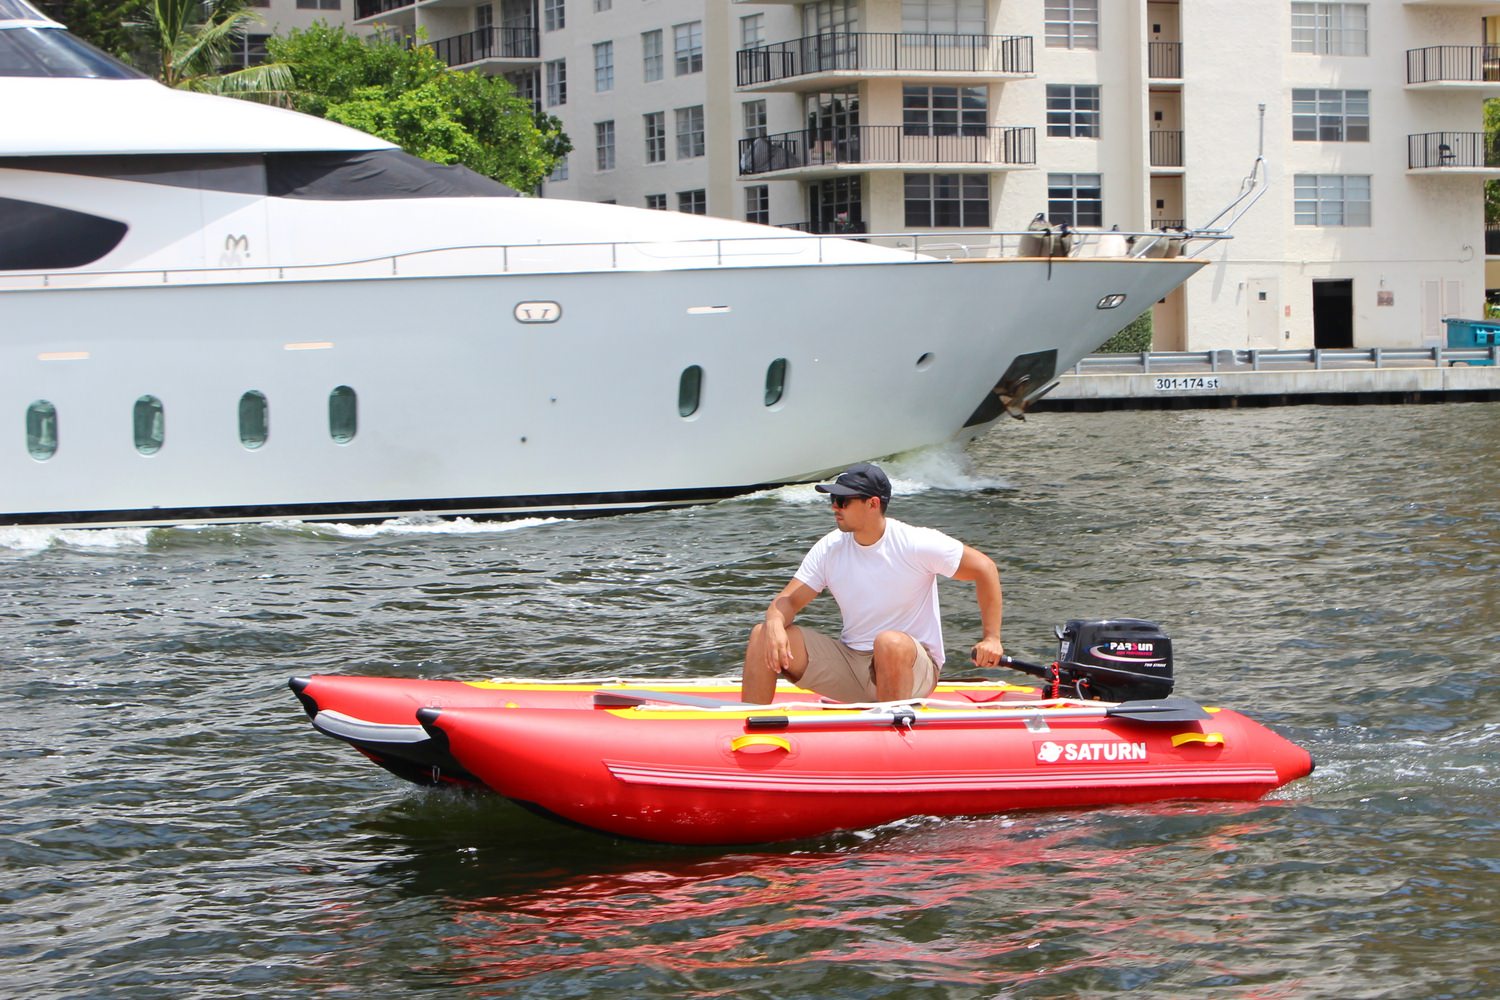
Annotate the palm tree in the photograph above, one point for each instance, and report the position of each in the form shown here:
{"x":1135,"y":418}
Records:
{"x":189,"y":42}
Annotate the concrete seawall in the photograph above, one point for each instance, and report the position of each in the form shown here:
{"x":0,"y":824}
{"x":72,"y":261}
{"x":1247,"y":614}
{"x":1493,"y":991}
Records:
{"x":1279,"y":378}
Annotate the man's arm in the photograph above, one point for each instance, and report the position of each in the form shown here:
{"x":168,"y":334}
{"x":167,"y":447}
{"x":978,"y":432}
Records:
{"x":979,"y":568}
{"x":795,"y":596}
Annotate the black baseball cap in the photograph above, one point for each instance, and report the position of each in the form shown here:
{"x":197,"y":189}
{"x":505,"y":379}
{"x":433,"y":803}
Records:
{"x":862,"y":480}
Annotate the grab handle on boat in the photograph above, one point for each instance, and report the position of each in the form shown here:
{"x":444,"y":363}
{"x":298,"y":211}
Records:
{"x":759,"y":740}
{"x":1207,"y":739}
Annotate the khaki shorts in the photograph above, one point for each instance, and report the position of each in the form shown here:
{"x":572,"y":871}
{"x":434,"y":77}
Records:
{"x":843,"y":674}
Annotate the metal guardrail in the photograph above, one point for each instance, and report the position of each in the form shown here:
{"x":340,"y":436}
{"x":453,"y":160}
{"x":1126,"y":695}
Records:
{"x":886,"y":145}
{"x":1452,"y":149}
{"x":1453,"y":64}
{"x":904,"y":52}
{"x":1316,"y":359}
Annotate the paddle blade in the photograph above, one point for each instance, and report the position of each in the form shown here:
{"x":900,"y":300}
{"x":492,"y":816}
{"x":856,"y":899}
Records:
{"x":1161,"y":710}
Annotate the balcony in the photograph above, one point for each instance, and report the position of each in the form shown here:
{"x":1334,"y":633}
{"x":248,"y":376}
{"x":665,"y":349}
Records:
{"x":1474,"y":68}
{"x":1453,"y":153}
{"x":1164,"y":60}
{"x":812,"y":62}
{"x":506,"y":48}
{"x":824,"y":152}
{"x":374,"y":8}
{"x":1166,"y":148}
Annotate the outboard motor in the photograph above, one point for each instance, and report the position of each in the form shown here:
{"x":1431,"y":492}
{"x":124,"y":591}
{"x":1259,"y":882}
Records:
{"x":1115,"y":659}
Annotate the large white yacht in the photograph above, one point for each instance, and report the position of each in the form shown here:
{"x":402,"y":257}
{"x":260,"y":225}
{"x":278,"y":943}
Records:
{"x":212,"y":311}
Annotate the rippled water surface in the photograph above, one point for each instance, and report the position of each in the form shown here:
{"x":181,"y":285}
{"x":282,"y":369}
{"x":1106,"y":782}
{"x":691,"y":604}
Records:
{"x":170,"y":825}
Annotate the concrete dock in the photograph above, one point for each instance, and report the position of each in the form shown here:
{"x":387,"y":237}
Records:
{"x":1227,"y":378}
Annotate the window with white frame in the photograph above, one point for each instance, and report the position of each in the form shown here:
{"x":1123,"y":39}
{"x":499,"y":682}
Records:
{"x":1072,"y":24}
{"x":554,"y":15}
{"x":687,"y":46}
{"x":948,"y":200}
{"x":657,"y":201}
{"x":755,"y":119}
{"x":690,"y":132}
{"x":825,"y":17}
{"x":557,"y":83}
{"x":604,"y":67}
{"x":245,"y":51}
{"x":1330,"y":115}
{"x":1075,"y":199}
{"x":944,"y":17}
{"x":600,"y":6}
{"x":1331,"y":29}
{"x":604,"y":145}
{"x":758,"y":204}
{"x":1331,"y":199}
{"x":318,"y":4}
{"x":656,"y":136}
{"x":752,"y":30}
{"x":693,"y":202}
{"x":559,"y":171}
{"x":1072,"y":111}
{"x":944,"y":110}
{"x":651,"y":57}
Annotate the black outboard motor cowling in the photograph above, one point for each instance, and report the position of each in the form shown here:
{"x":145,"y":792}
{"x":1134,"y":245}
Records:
{"x":1116,"y":659}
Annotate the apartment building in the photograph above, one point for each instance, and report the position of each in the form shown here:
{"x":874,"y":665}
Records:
{"x":879,"y":116}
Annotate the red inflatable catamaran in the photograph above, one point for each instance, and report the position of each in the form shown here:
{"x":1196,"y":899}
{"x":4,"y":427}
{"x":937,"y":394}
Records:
{"x":684,"y":763}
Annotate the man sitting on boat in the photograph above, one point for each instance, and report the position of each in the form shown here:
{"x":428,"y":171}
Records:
{"x":883,"y":574}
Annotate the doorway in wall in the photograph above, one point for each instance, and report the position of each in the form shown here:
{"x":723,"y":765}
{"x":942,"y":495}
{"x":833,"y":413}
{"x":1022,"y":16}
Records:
{"x":1333,"y":313}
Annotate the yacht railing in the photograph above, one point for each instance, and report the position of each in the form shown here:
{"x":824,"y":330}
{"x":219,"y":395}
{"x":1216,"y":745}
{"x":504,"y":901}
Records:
{"x":788,"y":248}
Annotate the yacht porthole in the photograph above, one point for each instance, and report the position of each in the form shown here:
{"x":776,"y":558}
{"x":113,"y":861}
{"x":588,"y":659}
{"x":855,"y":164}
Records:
{"x":775,"y":381}
{"x":150,"y":425}
{"x":41,"y":430}
{"x":254,"y":419}
{"x":343,"y":414}
{"x":689,"y":391}
{"x":925,"y":361}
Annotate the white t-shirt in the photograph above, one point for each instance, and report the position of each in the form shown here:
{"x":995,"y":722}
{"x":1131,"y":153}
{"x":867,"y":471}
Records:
{"x":889,"y":585}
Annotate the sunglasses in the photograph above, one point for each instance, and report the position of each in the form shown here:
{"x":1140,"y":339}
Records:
{"x":842,"y":502}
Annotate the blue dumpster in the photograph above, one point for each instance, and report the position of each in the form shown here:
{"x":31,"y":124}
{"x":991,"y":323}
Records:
{"x":1473,"y":333}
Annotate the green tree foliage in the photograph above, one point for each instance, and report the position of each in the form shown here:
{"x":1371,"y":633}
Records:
{"x":101,"y":23}
{"x":1134,"y":339}
{"x":408,"y":96}
{"x":187,"y":43}
{"x":1492,"y":188}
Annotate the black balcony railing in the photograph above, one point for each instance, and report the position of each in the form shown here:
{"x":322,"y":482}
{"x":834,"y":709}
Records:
{"x":904,"y":52}
{"x":488,"y":43}
{"x":1166,"y":148}
{"x":888,"y":144}
{"x":1453,"y":64}
{"x":369,"y":8}
{"x":1164,"y":60}
{"x":1452,"y":149}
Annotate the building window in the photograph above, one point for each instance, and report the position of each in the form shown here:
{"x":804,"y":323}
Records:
{"x":656,"y":136}
{"x":775,"y":381}
{"x":604,"y":145}
{"x":245,"y":51}
{"x":758,"y":204}
{"x":687,"y":43}
{"x":944,"y":110}
{"x":343,"y":415}
{"x":689,"y":391}
{"x":755,"y":119}
{"x":604,"y":67}
{"x":600,"y":6}
{"x":1331,"y":29}
{"x":752,"y":30}
{"x":690,"y":132}
{"x":1331,"y":115}
{"x":1075,"y":199}
{"x":41,"y":430}
{"x":150,"y":424}
{"x":312,"y":4}
{"x":835,"y":205}
{"x":693,"y":202}
{"x":943,"y":17}
{"x":948,"y":200}
{"x":554,"y":15}
{"x":1072,"y":24}
{"x":1073,"y":111}
{"x":657,"y":202}
{"x":651,"y":58}
{"x":557,"y":82}
{"x":255,"y":421}
{"x":559,"y":170}
{"x":1332,"y":199}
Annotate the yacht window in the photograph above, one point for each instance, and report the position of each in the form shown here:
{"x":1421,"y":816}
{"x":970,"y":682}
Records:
{"x":254,"y":419}
{"x":41,"y":430}
{"x":52,"y":52}
{"x":343,"y":414}
{"x":36,"y":237}
{"x":689,"y":391}
{"x":775,"y":381}
{"x":150,"y":425}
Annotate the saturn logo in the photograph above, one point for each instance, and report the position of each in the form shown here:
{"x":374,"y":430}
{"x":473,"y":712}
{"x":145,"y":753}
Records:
{"x":1049,"y":752}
